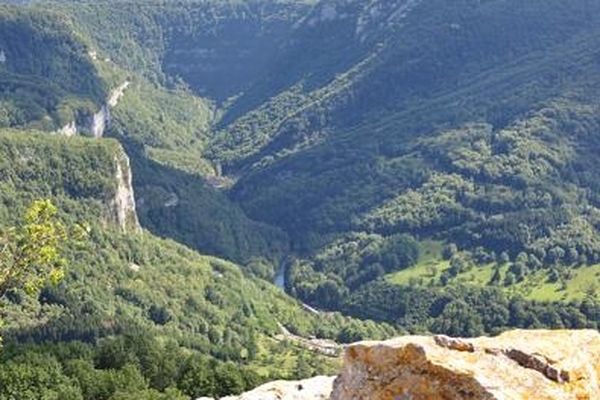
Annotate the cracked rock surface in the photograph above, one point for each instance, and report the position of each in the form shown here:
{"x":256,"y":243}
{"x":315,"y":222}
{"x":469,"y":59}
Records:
{"x":518,"y":364}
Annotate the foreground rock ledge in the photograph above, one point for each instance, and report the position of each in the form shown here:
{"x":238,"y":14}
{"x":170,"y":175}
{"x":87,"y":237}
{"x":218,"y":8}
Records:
{"x":318,"y":388}
{"x":515,"y":365}
{"x":535,"y":365}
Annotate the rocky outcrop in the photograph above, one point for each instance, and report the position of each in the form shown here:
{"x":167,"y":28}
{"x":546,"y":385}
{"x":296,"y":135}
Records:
{"x":515,"y":365}
{"x":123,"y":203}
{"x":68,"y":130}
{"x":117,"y":93}
{"x":318,"y":388}
{"x":94,"y":124}
{"x":97,"y":123}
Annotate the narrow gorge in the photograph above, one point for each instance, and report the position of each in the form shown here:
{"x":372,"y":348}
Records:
{"x":300,"y":200}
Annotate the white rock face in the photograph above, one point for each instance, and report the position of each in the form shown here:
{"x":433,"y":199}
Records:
{"x":100,"y":121}
{"x":117,"y":93}
{"x":124,"y":200}
{"x":68,"y":130}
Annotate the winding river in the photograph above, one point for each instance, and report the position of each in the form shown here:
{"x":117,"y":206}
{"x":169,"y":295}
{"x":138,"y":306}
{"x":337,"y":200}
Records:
{"x":279,"y":280}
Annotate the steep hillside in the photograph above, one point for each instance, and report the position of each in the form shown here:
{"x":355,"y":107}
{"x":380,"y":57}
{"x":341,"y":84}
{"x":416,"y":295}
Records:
{"x":472,"y":124}
{"x":90,"y":179}
{"x":442,"y":67}
{"x":427,"y":160}
{"x":121,"y":280}
{"x":179,"y":205}
{"x":217,"y":48}
{"x":169,"y":123}
{"x":47,"y":79}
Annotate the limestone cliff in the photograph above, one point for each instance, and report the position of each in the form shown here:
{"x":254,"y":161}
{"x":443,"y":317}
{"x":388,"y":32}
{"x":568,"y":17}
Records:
{"x":123,"y":203}
{"x":93,"y":125}
{"x":99,"y":121}
{"x":96,"y":123}
{"x":69,"y":129}
{"x":517,"y":365}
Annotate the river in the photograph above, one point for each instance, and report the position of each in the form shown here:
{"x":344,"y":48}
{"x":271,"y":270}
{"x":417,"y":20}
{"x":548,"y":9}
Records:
{"x":279,"y":280}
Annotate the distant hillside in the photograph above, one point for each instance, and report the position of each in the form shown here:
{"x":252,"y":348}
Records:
{"x":420,"y":161}
{"x":46,"y":76}
{"x":469,"y":124}
{"x":360,"y":133}
{"x":170,"y":123}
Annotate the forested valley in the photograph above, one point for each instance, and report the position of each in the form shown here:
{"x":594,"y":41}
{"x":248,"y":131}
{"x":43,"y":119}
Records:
{"x":400,"y":166}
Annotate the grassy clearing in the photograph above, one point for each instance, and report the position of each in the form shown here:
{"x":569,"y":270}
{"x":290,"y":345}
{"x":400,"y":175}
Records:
{"x":279,"y":359}
{"x":583,"y":282}
{"x":430,"y":266}
{"x":576,"y":285}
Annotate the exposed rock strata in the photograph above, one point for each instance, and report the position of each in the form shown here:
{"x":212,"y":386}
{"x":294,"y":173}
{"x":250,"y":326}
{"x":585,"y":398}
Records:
{"x":123,"y":202}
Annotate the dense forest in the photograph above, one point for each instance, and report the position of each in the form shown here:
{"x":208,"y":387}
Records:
{"x":135,"y":314}
{"x":407,"y":166}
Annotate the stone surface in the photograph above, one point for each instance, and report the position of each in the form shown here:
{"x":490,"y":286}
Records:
{"x":123,"y":203}
{"x":68,"y":130}
{"x":96,"y":123}
{"x":515,"y":365}
{"x":318,"y":388}
{"x":117,"y":93}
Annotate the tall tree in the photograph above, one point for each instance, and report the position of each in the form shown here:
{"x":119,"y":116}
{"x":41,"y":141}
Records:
{"x":30,"y":253}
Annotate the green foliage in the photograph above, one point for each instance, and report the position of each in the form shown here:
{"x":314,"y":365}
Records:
{"x":348,"y":263}
{"x":175,"y":204}
{"x":47,"y":79}
{"x":465,"y":310}
{"x":470,"y":145}
{"x":76,"y":174}
{"x":172,"y":125}
{"x":484,"y":142}
{"x":33,"y":376}
{"x":446,"y":296}
{"x":203,"y":377}
{"x":30,"y":254}
{"x":300,"y":125}
{"x":142,"y":305}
